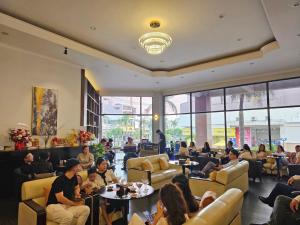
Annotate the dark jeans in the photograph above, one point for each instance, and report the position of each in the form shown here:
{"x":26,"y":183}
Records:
{"x":280,"y":189}
{"x":282,"y":214}
{"x":162,"y":148}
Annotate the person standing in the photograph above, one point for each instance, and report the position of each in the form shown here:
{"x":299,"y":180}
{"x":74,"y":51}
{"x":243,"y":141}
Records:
{"x":61,"y":205}
{"x":162,"y":141}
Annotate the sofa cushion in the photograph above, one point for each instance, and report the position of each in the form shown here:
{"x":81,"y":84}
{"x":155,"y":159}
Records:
{"x":163,"y":163}
{"x":147,"y":165}
{"x":46,"y":193}
{"x":137,"y":162}
{"x":156,"y":166}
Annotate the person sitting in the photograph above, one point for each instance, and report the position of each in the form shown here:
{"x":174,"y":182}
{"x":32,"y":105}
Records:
{"x":206,"y":148}
{"x":110,"y":154}
{"x":61,"y":205}
{"x":183,"y":150}
{"x":193,"y":205}
{"x":170,"y":195}
{"x":43,"y":168}
{"x":261,"y":153}
{"x":105,"y":177}
{"x":225,"y":159}
{"x":192,"y":149}
{"x":282,"y":189}
{"x":246,"y":153}
{"x":130,"y":151}
{"x":86,"y":158}
{"x":27,"y":167}
{"x":210,"y":166}
{"x":281,"y":160}
{"x":297,"y":149}
{"x":92,"y":183}
{"x":285,"y":211}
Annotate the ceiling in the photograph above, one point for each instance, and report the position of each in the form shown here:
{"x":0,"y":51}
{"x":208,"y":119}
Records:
{"x":199,"y":36}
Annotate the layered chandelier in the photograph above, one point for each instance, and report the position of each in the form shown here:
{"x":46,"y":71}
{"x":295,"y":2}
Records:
{"x":155,"y":42}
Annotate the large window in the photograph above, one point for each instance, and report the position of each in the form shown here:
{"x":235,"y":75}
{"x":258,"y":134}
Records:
{"x":285,"y":124}
{"x":177,"y":127}
{"x":177,"y":104}
{"x":263,"y":113}
{"x":124,"y":117}
{"x":209,"y":127}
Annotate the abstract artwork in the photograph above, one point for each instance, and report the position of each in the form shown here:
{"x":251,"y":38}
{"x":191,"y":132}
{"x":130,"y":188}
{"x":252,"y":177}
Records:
{"x":44,"y":111}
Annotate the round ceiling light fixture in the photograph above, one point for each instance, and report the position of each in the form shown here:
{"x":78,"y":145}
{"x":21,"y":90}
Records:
{"x":155,"y":42}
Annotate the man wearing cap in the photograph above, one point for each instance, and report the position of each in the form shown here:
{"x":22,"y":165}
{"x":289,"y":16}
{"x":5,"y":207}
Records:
{"x":64,"y":202}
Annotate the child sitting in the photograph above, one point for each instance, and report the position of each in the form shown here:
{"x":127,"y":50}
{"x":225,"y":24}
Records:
{"x":91,"y":184}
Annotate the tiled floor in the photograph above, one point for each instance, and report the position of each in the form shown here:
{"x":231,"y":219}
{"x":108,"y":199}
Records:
{"x":253,"y":210}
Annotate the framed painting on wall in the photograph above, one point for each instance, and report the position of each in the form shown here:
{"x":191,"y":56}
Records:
{"x":44,"y":111}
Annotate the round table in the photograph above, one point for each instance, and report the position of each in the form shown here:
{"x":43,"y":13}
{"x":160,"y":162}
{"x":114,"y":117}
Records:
{"x":190,"y":164}
{"x":144,"y":192}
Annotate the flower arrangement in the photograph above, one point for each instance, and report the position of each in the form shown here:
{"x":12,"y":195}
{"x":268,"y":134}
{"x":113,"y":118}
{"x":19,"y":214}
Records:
{"x":56,"y":141}
{"x":20,"y":136}
{"x":85,"y":136}
{"x":72,"y":138}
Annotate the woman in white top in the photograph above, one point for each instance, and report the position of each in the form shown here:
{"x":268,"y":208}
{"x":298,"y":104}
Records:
{"x":104,"y":178}
{"x":86,"y":158}
{"x":261,"y":153}
{"x":171,"y":209}
{"x":183,"y":150}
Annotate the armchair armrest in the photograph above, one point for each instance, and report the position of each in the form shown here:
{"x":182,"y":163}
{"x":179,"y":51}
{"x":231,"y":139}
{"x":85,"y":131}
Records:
{"x":31,"y":213}
{"x":135,"y":174}
{"x":200,"y":185}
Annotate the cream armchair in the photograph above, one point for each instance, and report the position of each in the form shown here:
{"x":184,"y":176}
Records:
{"x":225,"y":210}
{"x":232,"y":177}
{"x":159,"y":177}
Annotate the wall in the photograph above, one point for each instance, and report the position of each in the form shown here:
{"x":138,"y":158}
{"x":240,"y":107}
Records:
{"x":19,"y":72}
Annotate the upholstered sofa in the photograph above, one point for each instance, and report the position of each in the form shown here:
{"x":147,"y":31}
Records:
{"x":235,"y":176}
{"x":32,"y":207}
{"x":225,"y":210}
{"x":158,"y":177}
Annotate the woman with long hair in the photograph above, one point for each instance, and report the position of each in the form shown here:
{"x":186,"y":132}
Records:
{"x":171,"y":208}
{"x":261,"y":153}
{"x":182,"y":182}
{"x":246,"y":153}
{"x":206,"y":148}
{"x":281,"y":160}
{"x":183,"y":150}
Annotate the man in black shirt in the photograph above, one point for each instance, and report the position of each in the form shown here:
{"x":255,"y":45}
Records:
{"x":64,"y":202}
{"x":162,"y":141}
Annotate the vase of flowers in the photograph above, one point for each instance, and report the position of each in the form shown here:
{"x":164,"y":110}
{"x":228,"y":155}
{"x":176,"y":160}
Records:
{"x":85,"y":137}
{"x":21,"y":137}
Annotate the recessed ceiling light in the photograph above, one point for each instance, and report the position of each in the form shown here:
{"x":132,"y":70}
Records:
{"x":92,"y":28}
{"x":106,"y":66}
{"x":157,"y":82}
{"x":239,"y":39}
{"x":181,"y":77}
{"x":4,"y":33}
{"x":221,"y":16}
{"x":296,"y":4}
{"x":252,"y":63}
{"x":212,"y":71}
